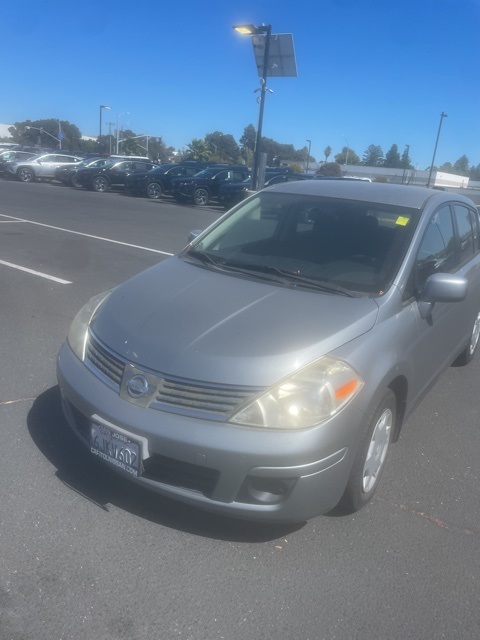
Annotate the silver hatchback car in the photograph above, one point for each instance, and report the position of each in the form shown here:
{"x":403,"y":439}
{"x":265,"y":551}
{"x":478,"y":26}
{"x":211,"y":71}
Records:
{"x":264,"y":371}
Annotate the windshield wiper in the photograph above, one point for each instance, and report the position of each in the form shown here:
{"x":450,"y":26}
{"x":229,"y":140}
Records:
{"x":282,"y":275}
{"x":206,"y":258}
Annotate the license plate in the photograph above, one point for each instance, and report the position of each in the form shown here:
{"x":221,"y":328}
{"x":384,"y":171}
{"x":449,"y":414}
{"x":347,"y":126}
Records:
{"x":116,"y":448}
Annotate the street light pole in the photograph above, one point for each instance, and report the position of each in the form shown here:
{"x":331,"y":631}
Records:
{"x":308,"y":157}
{"x":346,"y":156}
{"x":442,"y":116}
{"x":405,"y":162}
{"x":102,"y":106}
{"x":118,"y":117}
{"x":265,"y":29}
{"x":60,"y":135}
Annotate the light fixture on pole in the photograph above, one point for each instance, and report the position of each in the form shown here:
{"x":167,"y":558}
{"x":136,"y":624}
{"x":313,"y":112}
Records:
{"x":266,"y":31}
{"x":102,"y":106}
{"x":405,"y":161}
{"x":308,"y":157}
{"x":124,"y":113}
{"x":346,"y":156}
{"x":442,"y":116}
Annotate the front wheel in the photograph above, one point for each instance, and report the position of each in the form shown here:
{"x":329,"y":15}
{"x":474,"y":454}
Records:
{"x":154,"y":190}
{"x":99,"y":183}
{"x":201,"y":197}
{"x":467,"y":354}
{"x":24,"y":174}
{"x":370,"y":460}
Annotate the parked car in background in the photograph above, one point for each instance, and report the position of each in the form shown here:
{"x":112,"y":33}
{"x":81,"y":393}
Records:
{"x":205,"y":185}
{"x":159,"y":180}
{"x":40,"y":167}
{"x":264,"y":371}
{"x":231,"y":193}
{"x":112,"y":176}
{"x":68,"y":173}
{"x":9,"y":156}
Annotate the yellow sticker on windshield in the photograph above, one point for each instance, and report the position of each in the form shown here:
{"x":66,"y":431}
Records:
{"x":402,"y":221}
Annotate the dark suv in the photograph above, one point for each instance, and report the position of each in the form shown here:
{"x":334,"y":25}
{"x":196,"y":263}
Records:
{"x":233,"y":192}
{"x":204,"y":186}
{"x":68,"y":174}
{"x":159,"y":180}
{"x":113,"y":175}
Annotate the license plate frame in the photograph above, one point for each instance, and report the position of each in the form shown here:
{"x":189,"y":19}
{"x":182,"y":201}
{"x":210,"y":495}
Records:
{"x":117,"y":449}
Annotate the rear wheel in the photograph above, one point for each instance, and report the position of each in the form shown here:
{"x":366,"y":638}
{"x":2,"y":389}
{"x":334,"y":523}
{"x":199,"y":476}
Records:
{"x":99,"y":183}
{"x":25,"y":174}
{"x":201,"y":197}
{"x":370,"y":460}
{"x":74,"y":182}
{"x":154,"y":190}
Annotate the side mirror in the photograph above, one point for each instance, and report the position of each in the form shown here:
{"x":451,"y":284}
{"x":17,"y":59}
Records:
{"x":441,"y":287}
{"x":193,"y":234}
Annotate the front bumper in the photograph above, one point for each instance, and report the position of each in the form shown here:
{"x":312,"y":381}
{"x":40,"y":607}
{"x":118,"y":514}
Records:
{"x":255,"y":474}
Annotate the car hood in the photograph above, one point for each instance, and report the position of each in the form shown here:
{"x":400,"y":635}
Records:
{"x":189,"y":321}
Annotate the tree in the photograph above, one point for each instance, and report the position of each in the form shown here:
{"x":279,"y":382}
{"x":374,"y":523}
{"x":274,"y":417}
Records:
{"x":373,"y":156}
{"x":406,"y":162}
{"x":327,"y":152}
{"x":461,"y":166}
{"x":249,"y":137}
{"x":248,"y":143}
{"x":347,"y":156}
{"x":224,"y":146}
{"x":446,"y":167}
{"x":392,"y":158}
{"x":198,"y":150}
{"x":330,"y":169}
{"x":46,"y":133}
{"x":475,"y":172}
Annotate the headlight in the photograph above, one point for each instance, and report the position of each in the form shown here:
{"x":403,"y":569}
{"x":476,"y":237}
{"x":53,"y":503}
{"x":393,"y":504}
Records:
{"x":77,"y":335}
{"x":305,"y":398}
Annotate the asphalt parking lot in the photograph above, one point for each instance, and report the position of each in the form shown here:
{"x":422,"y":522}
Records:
{"x":87,"y":555}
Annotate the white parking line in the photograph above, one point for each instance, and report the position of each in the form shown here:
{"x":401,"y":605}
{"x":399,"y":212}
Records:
{"x":35,"y":273}
{"x":87,"y":235}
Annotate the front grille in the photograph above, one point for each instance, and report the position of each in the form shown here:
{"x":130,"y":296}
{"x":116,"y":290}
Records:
{"x":105,"y":361}
{"x":182,"y":396}
{"x":193,"y":396}
{"x":181,"y":474}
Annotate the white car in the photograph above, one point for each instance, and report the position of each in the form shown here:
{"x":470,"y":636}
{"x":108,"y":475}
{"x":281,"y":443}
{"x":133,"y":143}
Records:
{"x":42,"y":166}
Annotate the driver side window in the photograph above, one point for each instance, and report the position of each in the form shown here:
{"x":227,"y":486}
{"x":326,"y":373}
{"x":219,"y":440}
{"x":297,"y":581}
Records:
{"x":437,"y":251}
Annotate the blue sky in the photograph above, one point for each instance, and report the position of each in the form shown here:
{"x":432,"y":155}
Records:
{"x":369,"y":71}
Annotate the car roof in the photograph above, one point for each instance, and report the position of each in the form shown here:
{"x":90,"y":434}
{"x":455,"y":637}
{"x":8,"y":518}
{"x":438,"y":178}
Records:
{"x":375,"y":192}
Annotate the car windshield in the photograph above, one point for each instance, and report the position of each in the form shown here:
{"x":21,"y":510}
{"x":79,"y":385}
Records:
{"x":343,"y":244}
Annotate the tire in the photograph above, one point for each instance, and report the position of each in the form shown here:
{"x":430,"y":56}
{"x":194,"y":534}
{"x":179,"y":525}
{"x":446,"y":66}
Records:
{"x":371,"y":456}
{"x":154,"y":190}
{"x":201,"y":197}
{"x":25,"y":174}
{"x":99,"y":183}
{"x":467,"y":354}
{"x":74,"y":182}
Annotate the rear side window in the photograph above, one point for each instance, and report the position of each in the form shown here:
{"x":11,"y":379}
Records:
{"x":467,"y":233}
